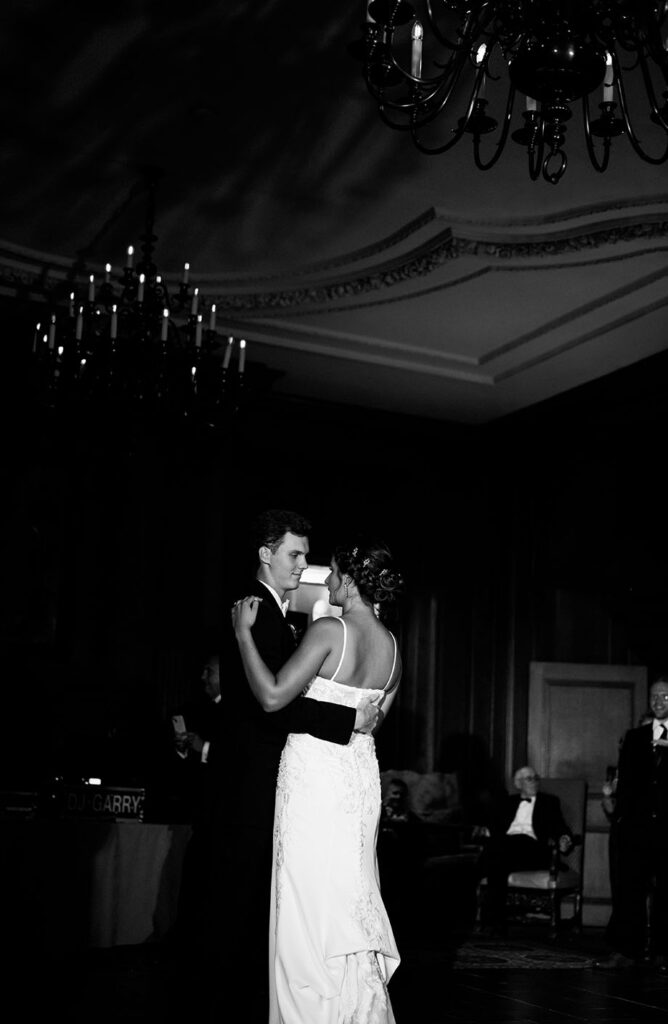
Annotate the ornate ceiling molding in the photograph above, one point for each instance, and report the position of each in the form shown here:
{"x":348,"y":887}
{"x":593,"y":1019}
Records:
{"x":446,"y":249}
{"x":360,"y":275}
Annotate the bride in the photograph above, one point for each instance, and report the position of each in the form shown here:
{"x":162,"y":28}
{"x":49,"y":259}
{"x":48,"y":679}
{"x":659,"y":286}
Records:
{"x":332,"y":951}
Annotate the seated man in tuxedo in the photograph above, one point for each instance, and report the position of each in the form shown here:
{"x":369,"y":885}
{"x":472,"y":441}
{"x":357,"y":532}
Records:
{"x":521,"y":836}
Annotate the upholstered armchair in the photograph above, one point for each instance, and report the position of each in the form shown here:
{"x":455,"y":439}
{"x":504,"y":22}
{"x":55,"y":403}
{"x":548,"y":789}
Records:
{"x":426,"y":860}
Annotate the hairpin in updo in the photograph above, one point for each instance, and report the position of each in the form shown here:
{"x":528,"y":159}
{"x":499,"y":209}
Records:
{"x":366,"y":562}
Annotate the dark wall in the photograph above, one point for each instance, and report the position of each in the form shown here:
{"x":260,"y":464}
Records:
{"x":539,"y":537}
{"x":583,"y":575}
{"x":124,"y":539}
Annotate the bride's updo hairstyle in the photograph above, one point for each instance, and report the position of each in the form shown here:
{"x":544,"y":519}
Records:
{"x":369,"y":564}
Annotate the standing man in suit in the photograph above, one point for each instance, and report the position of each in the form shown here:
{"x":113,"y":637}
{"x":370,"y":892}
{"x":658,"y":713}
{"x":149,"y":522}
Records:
{"x":641,"y":842}
{"x":196,"y":724}
{"x":245,"y":836}
{"x":522,"y":835}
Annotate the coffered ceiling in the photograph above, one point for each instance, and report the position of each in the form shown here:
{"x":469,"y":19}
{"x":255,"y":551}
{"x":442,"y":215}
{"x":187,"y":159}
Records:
{"x":359,"y":270}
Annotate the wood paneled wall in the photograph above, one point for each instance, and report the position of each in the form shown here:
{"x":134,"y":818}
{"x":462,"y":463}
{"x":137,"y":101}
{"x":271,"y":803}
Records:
{"x":538,"y":538}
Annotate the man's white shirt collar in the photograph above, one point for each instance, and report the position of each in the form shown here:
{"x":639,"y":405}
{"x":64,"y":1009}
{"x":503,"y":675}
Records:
{"x":283,"y":605}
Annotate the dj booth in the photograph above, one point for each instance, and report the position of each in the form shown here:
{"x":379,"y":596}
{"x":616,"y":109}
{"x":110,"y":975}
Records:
{"x":87,"y":871}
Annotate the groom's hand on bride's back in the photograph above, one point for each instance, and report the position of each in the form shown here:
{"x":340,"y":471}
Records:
{"x":368,"y":718}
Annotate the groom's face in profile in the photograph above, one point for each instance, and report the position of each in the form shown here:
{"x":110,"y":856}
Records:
{"x":286,"y":565}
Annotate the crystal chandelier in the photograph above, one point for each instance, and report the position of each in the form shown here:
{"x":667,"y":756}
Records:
{"x":129,"y":343}
{"x":454,"y":68}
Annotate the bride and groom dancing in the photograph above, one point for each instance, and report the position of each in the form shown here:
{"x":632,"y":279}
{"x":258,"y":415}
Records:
{"x":299,"y":851}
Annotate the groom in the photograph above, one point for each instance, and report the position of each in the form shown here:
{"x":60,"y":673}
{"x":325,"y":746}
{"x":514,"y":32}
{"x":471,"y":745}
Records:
{"x":245,"y":835}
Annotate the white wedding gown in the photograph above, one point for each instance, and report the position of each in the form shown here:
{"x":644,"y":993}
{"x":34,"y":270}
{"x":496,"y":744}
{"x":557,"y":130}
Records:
{"x":332,"y":951}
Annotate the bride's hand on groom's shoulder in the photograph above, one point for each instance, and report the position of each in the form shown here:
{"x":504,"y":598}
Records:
{"x":244,"y":612}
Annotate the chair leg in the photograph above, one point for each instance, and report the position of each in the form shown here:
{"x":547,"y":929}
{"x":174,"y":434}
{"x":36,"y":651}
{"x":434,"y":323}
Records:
{"x":577,"y":913}
{"x":555,"y":915}
{"x":649,"y":908}
{"x":478,"y":906}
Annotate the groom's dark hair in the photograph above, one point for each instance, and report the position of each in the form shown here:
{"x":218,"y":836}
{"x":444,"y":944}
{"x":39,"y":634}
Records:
{"x":270,"y":527}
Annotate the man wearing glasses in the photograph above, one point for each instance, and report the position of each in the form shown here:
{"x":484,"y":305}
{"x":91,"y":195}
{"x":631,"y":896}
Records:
{"x":641,"y":821}
{"x":521,"y":837}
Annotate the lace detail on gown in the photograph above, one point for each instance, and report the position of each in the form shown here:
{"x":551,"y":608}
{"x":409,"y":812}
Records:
{"x":332,"y":946}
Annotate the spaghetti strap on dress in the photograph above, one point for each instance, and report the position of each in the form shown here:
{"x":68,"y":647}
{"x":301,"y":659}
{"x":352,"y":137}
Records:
{"x":343,"y":650}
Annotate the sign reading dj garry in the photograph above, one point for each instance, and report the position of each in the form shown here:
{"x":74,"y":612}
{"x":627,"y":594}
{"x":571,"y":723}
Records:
{"x":110,"y":803}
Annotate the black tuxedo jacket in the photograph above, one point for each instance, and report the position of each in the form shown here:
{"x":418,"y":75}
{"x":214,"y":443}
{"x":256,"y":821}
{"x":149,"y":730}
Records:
{"x":642,"y":783}
{"x":255,"y":738}
{"x":204,"y":717}
{"x":547,"y":821}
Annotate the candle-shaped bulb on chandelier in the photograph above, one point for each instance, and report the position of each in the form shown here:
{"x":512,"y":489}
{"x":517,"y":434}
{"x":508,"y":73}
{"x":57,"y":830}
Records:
{"x":228,"y":352}
{"x":609,"y":79}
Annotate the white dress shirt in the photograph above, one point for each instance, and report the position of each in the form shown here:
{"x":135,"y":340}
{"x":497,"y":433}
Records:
{"x":657,"y":729}
{"x":521,"y":823}
{"x":283,"y":605}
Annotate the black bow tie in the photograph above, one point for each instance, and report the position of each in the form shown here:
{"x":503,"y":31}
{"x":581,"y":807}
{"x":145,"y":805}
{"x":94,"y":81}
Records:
{"x":524,"y":799}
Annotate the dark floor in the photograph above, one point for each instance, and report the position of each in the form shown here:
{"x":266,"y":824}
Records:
{"x":135,"y":983}
{"x":433,"y":995}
